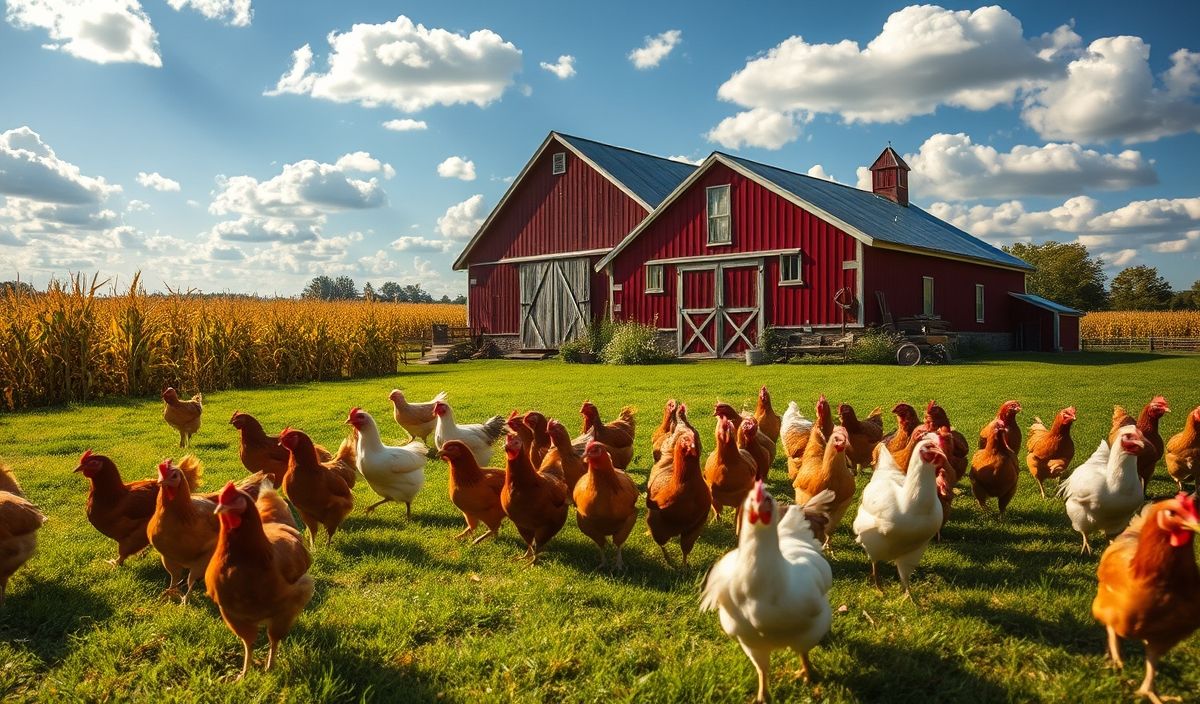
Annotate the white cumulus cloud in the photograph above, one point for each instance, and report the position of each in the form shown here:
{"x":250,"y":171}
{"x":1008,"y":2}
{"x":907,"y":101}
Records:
{"x":237,"y":13}
{"x":157,"y":181}
{"x":405,"y":125}
{"x":760,"y":127}
{"x":407,"y":66}
{"x":102,"y":31}
{"x":656,"y":48}
{"x":457,"y":167}
{"x":953,"y":167}
{"x":1110,"y":93}
{"x":564,"y":68}
{"x":421,"y":244}
{"x":923,"y":57}
{"x":462,"y":219}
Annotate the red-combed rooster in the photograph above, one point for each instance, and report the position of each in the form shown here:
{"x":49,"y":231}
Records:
{"x":1149,"y":582}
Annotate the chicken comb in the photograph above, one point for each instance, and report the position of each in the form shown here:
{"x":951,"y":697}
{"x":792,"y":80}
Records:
{"x":931,"y":406}
{"x":1189,"y":503}
{"x":228,"y":495}
{"x":1160,"y":401}
{"x":87,"y":455}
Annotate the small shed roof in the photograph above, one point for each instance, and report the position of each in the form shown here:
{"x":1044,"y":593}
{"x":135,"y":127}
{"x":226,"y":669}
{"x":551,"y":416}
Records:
{"x":1045,"y":304}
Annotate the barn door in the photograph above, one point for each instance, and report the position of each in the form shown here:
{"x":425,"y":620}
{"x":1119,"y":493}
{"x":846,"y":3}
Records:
{"x":697,"y":324}
{"x":740,"y":304}
{"x":555,"y":302}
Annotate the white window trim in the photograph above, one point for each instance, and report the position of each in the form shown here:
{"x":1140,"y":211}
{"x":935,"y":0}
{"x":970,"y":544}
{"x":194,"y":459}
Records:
{"x":555,"y":170}
{"x":980,"y":303}
{"x":932,"y":296}
{"x":662,"y":276}
{"x":799,"y":269}
{"x":709,"y":217}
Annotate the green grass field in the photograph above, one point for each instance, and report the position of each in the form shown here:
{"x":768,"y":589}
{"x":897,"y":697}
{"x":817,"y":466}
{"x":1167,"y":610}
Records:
{"x":402,"y":612}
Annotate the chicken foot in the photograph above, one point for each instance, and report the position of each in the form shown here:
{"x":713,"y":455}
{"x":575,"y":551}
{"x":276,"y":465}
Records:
{"x":1147,"y":688}
{"x":375,"y":505}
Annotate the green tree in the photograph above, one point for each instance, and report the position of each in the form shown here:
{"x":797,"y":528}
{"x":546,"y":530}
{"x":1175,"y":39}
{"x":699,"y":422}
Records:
{"x":390,"y":291}
{"x":344,"y":289}
{"x":320,"y":288}
{"x":1063,"y":272}
{"x":460,"y":299}
{"x":1140,"y":288}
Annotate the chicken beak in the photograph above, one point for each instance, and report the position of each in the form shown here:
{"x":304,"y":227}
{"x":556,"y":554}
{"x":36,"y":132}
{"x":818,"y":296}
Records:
{"x":1193,"y":526}
{"x":222,"y":508}
{"x":77,"y":469}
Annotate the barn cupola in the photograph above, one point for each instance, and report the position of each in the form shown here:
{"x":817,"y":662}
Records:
{"x":889,"y":177}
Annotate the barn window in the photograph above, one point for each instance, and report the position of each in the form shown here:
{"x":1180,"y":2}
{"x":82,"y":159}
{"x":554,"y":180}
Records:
{"x":720,"y":229}
{"x":558,"y":164}
{"x":927,"y":295}
{"x":789,"y":269}
{"x":979,"y":303}
{"x":654,"y":278}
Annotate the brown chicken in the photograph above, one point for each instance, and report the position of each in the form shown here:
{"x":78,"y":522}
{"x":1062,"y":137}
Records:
{"x":1050,"y":449}
{"x":19,"y":523}
{"x":183,"y":528}
{"x":516,"y":425}
{"x":826,"y":466}
{"x":617,"y":435}
{"x":260,"y":452}
{"x":474,"y":490}
{"x":1148,"y":582}
{"x":561,"y":459}
{"x":183,"y":416}
{"x":417,"y":419}
{"x":536,"y":502}
{"x":766,"y":417}
{"x":678,"y":502}
{"x":119,"y":510}
{"x":729,"y":471}
{"x":895,"y":441}
{"x":864,"y":435}
{"x":959,"y":451}
{"x":1183,"y":451}
{"x":724,"y":410}
{"x":664,"y":430}
{"x":994,"y":469}
{"x":540,"y":442}
{"x":1007,"y":415}
{"x":320,"y":495}
{"x":747,"y":440}
{"x":605,"y":503}
{"x":1147,"y":422}
{"x":259,"y":571}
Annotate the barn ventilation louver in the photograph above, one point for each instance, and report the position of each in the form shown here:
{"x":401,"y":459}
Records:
{"x":559,"y":163}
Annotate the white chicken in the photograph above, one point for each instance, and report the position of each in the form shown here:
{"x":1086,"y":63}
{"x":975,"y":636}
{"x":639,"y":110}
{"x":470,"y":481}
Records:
{"x":1104,"y":492}
{"x":771,"y":591}
{"x":794,"y":428}
{"x":478,"y":437}
{"x":900,"y":513}
{"x":395,"y":473}
{"x":417,"y":419}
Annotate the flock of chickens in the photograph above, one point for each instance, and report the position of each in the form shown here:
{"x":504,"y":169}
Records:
{"x":245,"y":543}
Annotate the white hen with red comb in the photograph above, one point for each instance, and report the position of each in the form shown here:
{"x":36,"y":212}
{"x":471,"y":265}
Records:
{"x":772,"y":591}
{"x":478,"y":437}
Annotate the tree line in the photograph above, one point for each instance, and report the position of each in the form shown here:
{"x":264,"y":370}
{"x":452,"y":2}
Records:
{"x":1066,"y":273}
{"x":343,"y":288}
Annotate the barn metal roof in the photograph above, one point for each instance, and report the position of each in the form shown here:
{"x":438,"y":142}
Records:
{"x":880,"y":218}
{"x":1045,"y":304}
{"x":651,"y":178}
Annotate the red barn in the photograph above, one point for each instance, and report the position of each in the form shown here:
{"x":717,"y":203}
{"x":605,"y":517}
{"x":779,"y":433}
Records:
{"x":532,"y":283}
{"x":712,"y":255}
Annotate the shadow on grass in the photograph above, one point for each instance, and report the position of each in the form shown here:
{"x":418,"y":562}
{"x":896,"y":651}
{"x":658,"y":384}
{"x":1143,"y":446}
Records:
{"x":347,"y":675}
{"x":1068,"y":630}
{"x":1073,"y":359}
{"x":45,"y":615}
{"x":913,"y":673}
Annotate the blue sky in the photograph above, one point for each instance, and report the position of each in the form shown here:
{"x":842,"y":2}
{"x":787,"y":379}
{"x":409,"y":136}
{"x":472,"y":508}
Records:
{"x":181,"y":138}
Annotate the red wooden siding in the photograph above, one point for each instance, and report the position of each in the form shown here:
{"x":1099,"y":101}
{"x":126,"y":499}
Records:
{"x":494,"y":298}
{"x":899,"y":276}
{"x":579,"y":210}
{"x":762,"y":220}
{"x":1068,"y":333}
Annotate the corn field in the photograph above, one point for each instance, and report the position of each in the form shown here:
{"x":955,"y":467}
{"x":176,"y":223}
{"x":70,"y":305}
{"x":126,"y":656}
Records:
{"x":73,"y":343}
{"x":1133,"y":324}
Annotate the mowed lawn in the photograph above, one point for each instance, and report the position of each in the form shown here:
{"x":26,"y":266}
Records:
{"x":402,"y":612}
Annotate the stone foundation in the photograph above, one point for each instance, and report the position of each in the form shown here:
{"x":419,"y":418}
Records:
{"x":987,"y":341}
{"x":507,"y":343}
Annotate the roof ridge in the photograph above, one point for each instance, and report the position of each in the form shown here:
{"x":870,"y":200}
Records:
{"x":624,"y":149}
{"x":797,"y":173}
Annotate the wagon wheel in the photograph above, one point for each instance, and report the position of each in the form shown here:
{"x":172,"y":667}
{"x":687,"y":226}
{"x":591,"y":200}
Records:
{"x":908,"y":355}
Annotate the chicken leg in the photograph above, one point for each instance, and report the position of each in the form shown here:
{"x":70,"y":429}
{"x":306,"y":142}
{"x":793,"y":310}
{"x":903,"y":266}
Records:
{"x":1114,"y":649}
{"x":762,"y":665}
{"x":375,"y":505}
{"x":1147,"y":688}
